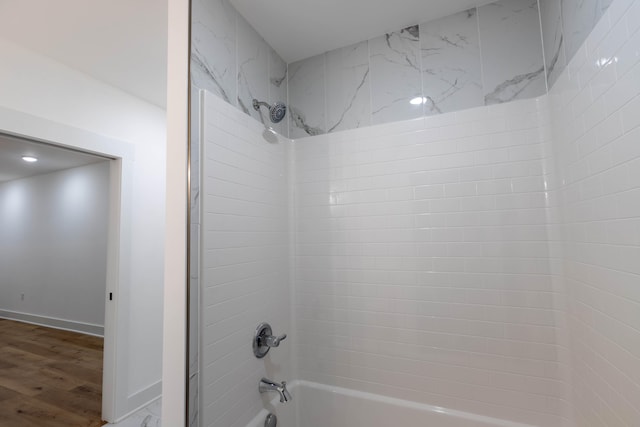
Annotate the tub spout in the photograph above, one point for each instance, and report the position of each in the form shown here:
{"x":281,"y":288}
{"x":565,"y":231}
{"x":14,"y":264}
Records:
{"x":266,"y":385}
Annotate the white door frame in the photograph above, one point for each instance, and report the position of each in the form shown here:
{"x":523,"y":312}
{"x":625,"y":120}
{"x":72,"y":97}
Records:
{"x":115,"y":359}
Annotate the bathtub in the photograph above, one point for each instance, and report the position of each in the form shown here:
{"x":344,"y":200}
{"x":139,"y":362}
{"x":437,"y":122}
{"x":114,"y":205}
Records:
{"x":319,"y":405}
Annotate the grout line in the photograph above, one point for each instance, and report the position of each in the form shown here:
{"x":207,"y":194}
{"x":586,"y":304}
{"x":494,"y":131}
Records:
{"x":544,"y":58}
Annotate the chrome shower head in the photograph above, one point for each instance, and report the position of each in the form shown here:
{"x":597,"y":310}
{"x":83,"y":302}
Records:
{"x":277,"y":111}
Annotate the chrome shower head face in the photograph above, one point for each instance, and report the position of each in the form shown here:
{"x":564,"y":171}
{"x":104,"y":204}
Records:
{"x":277,"y":112}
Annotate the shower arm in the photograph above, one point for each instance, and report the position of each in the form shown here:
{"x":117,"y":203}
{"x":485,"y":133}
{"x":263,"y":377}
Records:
{"x":257,"y":104}
{"x":257,"y":107}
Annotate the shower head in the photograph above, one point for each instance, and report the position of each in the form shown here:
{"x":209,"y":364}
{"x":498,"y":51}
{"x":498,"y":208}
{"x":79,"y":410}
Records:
{"x":270,"y":135}
{"x":277,"y":111}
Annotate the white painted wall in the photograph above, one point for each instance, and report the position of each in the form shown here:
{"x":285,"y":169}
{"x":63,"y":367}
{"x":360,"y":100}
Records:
{"x":53,"y":230}
{"x":35,"y":86}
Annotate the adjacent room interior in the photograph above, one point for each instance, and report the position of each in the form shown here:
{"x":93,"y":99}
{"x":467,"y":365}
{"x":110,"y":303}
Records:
{"x":54,"y":208}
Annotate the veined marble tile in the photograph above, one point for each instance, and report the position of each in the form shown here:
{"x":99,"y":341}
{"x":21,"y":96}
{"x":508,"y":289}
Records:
{"x":348,"y":91}
{"x":451,"y":67}
{"x":213,"y":48}
{"x":512,"y":62}
{"x":307,"y":97}
{"x":253,"y":69}
{"x":278,"y":88}
{"x":579,"y":17}
{"x":553,"y":39}
{"x":395,"y":75}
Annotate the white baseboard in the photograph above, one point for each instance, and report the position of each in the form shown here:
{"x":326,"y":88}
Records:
{"x":141,"y":399}
{"x":53,"y":322}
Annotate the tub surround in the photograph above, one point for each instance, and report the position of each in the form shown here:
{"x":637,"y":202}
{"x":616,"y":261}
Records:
{"x":422,"y":265}
{"x":244,"y":262}
{"x":482,"y":260}
{"x":595,"y":110}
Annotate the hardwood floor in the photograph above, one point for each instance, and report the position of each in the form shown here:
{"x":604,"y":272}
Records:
{"x":49,"y":377}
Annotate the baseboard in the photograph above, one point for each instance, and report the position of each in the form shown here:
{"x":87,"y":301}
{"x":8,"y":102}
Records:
{"x":53,"y":322}
{"x":141,"y":399}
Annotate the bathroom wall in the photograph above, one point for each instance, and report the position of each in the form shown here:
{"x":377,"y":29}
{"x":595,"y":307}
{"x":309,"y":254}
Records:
{"x":53,"y":230}
{"x":39,"y":87}
{"x":565,"y":26}
{"x":595,"y":105}
{"x":423,"y":264}
{"x":482,"y":56}
{"x":244,"y":262}
{"x":230,"y":59}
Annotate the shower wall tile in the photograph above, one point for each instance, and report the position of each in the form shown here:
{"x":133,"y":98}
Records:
{"x":595,"y":110}
{"x":579,"y":18}
{"x":566,"y":25}
{"x":278,"y":88}
{"x":245,"y":262}
{"x":306,"y":83}
{"x":372,"y":82}
{"x":253,"y":69}
{"x":213,"y":48}
{"x":348,"y":92}
{"x":231,"y":60}
{"x":512,"y":61}
{"x":553,"y":39}
{"x":451,"y":68}
{"x":395,"y":76}
{"x":423,"y":267}
{"x":458,"y":67}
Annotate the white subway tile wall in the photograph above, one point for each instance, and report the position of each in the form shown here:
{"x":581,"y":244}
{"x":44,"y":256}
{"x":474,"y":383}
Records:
{"x":565,"y":27}
{"x":244,"y":261}
{"x":423,"y":269}
{"x":595,"y":106}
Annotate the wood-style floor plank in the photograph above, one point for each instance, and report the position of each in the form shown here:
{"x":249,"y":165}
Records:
{"x":49,"y":377}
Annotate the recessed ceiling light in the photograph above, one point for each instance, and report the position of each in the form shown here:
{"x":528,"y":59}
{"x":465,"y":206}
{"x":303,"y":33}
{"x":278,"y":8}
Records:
{"x":418,"y":100}
{"x":29,"y":159}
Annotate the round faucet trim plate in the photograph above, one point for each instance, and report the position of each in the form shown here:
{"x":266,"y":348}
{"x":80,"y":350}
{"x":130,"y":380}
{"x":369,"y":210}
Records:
{"x":260,"y":349}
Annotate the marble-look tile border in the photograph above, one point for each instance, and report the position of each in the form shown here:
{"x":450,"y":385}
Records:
{"x":500,"y":52}
{"x":230,"y":59}
{"x":481,"y":56}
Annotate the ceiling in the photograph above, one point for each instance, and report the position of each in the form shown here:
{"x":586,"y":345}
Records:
{"x":50,"y":158}
{"x":120,"y":42}
{"x":298,"y":29}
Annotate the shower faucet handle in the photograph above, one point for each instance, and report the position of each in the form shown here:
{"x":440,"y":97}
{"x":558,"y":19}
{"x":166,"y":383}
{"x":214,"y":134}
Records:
{"x":264,"y":340}
{"x":272,"y":341}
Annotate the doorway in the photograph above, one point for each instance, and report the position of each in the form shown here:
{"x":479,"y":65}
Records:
{"x":56,"y":229}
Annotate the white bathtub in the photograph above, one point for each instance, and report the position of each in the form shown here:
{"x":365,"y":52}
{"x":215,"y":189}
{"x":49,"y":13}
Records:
{"x":319,"y":405}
